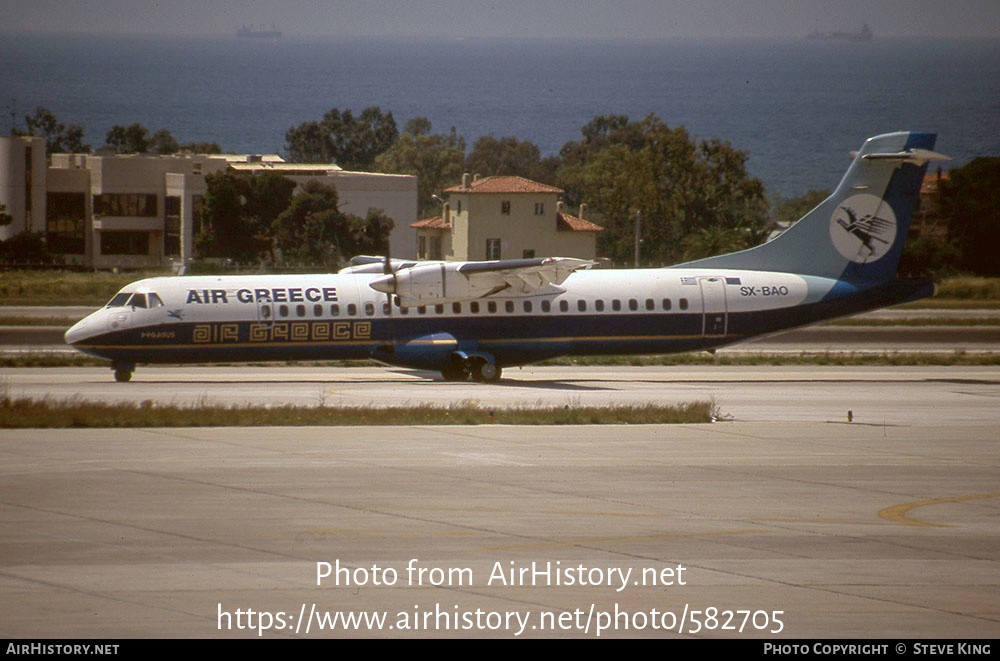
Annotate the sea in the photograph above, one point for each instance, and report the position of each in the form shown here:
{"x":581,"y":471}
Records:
{"x":797,"y":107}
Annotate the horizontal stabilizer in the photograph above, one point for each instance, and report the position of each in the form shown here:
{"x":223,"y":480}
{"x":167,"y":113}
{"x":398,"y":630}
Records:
{"x":915,"y":156}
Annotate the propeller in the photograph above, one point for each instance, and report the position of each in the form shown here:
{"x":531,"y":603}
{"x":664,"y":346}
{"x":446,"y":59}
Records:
{"x":388,"y":270}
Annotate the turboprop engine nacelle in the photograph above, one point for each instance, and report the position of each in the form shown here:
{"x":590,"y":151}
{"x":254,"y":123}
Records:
{"x":430,"y":284}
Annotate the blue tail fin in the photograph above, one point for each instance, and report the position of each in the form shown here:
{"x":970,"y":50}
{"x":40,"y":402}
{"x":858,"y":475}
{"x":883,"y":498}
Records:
{"x":857,"y":233}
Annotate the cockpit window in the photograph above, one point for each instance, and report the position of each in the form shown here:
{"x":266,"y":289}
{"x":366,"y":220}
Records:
{"x":138,"y":301}
{"x":155,"y":301}
{"x":119,"y":299}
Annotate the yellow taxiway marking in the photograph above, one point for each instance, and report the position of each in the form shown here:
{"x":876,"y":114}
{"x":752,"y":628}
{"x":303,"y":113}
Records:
{"x":898,"y":513}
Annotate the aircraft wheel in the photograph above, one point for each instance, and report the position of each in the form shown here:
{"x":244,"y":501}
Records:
{"x":123,"y":376}
{"x":486,"y":372}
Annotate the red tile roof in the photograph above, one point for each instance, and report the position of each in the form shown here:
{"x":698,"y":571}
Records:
{"x":504,"y":185}
{"x":435,"y":223}
{"x":568,"y":223}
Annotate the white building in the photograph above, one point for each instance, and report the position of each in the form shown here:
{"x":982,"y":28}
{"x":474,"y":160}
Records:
{"x":137,"y":210}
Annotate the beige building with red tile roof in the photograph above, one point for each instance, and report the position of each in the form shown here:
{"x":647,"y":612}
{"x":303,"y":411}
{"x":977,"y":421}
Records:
{"x":504,"y":218}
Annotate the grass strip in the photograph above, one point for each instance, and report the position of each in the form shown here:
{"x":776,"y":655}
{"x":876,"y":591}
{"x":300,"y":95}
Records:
{"x":28,"y":413}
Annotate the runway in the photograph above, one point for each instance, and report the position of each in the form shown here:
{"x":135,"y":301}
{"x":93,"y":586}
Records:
{"x":784,"y":521}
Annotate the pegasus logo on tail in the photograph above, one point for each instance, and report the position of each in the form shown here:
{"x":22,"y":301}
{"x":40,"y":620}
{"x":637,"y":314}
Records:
{"x":863,"y":228}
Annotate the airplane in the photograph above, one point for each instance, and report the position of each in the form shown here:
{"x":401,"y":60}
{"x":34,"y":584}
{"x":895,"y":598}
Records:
{"x":472,"y":319}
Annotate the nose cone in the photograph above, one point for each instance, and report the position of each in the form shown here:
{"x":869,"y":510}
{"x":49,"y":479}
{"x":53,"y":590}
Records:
{"x":77,"y":331}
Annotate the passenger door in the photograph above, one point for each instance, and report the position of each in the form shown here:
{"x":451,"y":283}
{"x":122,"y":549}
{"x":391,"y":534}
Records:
{"x":714,"y":311}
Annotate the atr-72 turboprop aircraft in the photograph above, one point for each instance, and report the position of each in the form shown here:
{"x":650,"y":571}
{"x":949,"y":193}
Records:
{"x":474,"y":318}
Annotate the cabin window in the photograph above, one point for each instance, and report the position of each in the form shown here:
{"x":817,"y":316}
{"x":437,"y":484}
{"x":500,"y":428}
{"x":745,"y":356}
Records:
{"x":684,"y":304}
{"x":474,"y":307}
{"x":265,"y":311}
{"x":283,"y":310}
{"x":439,"y":309}
{"x":300,"y":310}
{"x":456,"y":308}
{"x":385,"y":309}
{"x":633,"y":304}
{"x":509,"y":306}
{"x":563,"y":306}
{"x":352,"y":309}
{"x":334,"y":310}
{"x":666,"y":304}
{"x":491,"y":307}
{"x":546,"y":306}
{"x":422,"y":309}
{"x":317,"y":310}
{"x":581,"y":305}
{"x":599,"y":305}
{"x":369,"y":309}
{"x":650,"y":304}
{"x":616,"y":305}
{"x":527,"y":306}
{"x":118,"y":300}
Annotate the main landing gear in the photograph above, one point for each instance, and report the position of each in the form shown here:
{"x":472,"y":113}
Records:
{"x":123,"y":371}
{"x":480,"y":367}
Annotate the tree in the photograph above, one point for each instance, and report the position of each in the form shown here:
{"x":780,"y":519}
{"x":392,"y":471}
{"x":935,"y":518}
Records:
{"x":970,"y":203}
{"x":351,"y":142}
{"x":511,"y":157}
{"x":313,"y":230}
{"x":129,"y":140}
{"x":59,"y":138}
{"x":200,"y":148}
{"x":163,"y":142}
{"x":679,"y":185}
{"x":239,"y":212}
{"x":435,"y":159}
{"x":26,"y":248}
{"x":792,"y":209}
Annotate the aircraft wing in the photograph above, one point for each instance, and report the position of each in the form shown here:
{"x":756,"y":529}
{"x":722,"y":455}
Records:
{"x":523,"y":275}
{"x":441,"y":282}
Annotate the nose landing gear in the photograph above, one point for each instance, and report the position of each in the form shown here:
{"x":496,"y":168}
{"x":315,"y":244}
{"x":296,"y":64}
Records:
{"x":123,"y":371}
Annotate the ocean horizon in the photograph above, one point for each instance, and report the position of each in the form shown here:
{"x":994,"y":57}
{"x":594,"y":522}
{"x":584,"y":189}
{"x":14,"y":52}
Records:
{"x":796,"y":106}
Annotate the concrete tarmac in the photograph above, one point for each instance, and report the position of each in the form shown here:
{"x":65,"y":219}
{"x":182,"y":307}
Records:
{"x":784,"y":521}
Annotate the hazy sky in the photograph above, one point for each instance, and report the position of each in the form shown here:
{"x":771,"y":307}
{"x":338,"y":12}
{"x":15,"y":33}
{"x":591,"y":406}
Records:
{"x":509,"y":18}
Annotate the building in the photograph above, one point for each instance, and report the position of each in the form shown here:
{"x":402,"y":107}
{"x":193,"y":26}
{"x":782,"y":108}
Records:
{"x":137,"y":210}
{"x":504,"y":218}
